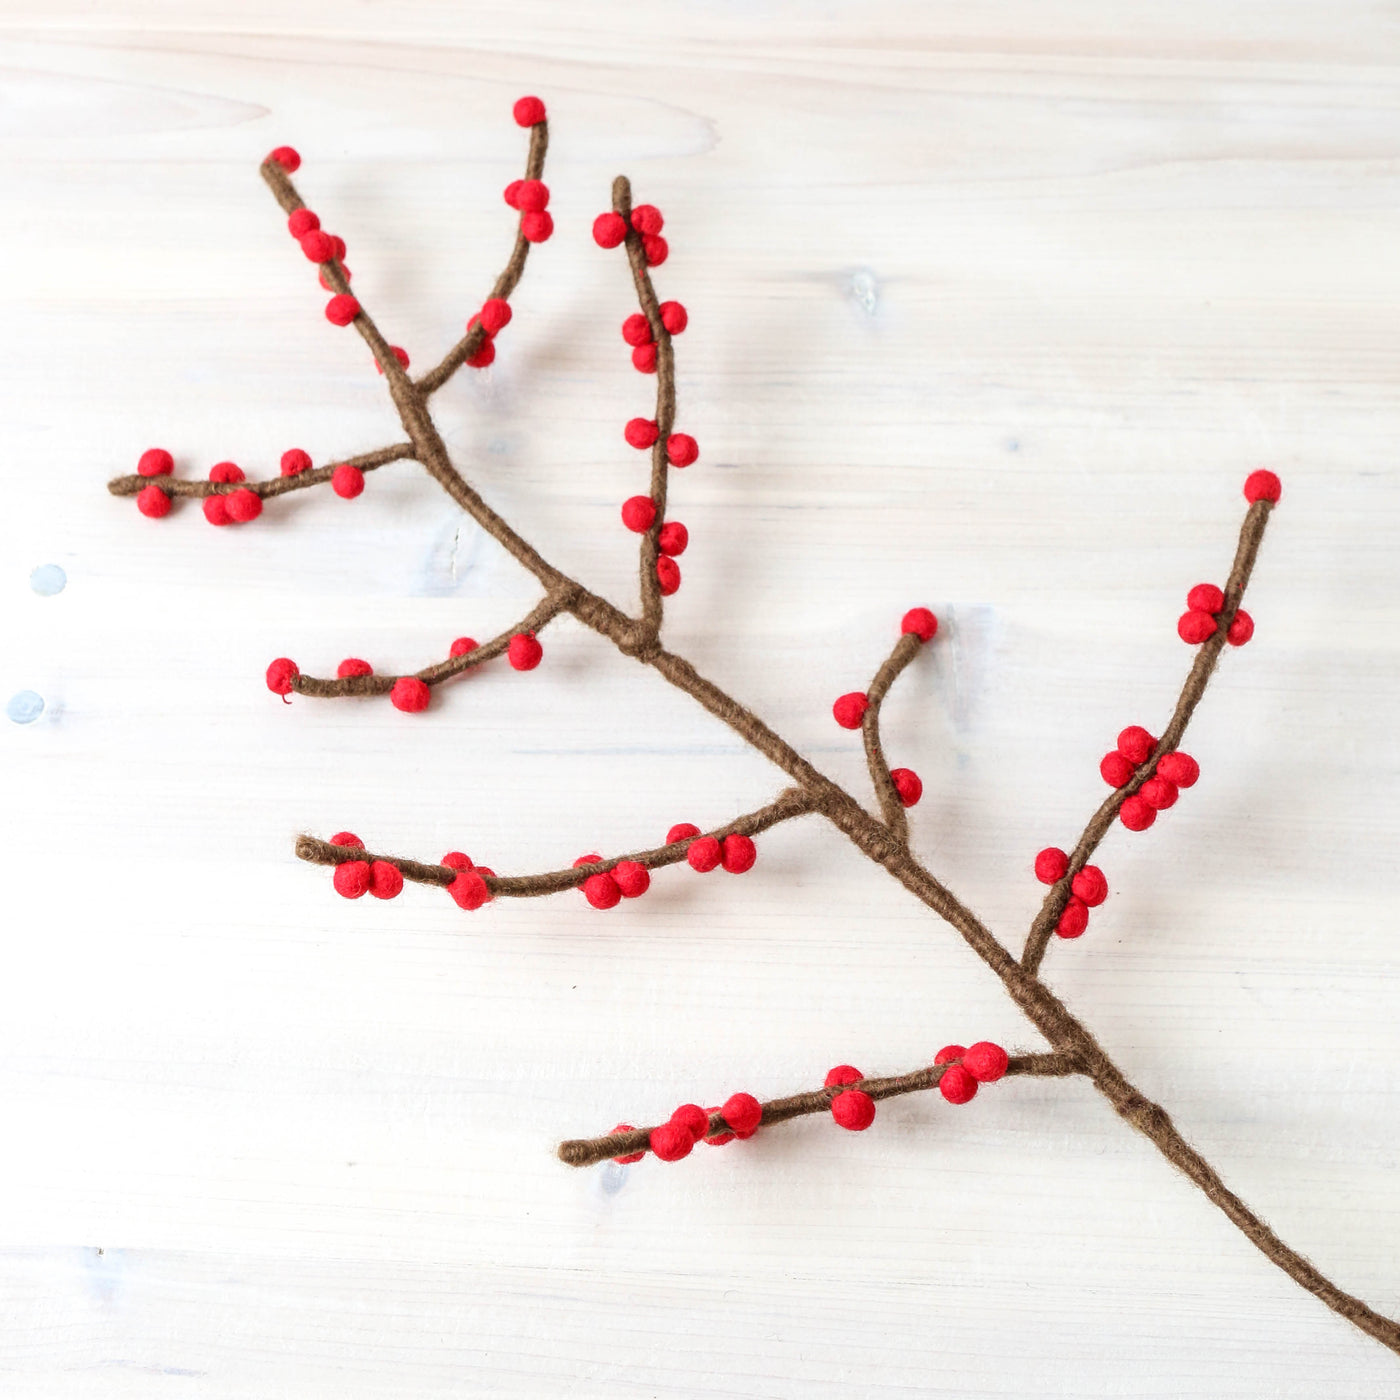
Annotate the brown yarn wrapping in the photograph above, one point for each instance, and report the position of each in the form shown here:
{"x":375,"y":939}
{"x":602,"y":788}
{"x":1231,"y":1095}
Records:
{"x":1074,"y":1048}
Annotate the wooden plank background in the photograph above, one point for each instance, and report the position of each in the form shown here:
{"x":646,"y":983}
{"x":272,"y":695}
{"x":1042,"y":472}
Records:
{"x":993,"y":307}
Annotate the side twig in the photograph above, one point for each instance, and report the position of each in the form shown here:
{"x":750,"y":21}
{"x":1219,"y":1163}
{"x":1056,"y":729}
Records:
{"x":271,"y":486}
{"x":891,"y":804}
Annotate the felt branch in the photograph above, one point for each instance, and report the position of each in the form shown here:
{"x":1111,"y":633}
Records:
{"x":1147,"y":773}
{"x":842,"y":1096}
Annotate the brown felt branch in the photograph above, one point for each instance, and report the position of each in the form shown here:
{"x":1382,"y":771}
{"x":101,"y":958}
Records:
{"x":272,"y":486}
{"x":505,"y":284}
{"x":905,"y":650}
{"x":539,"y":617}
{"x":1070,"y":1041}
{"x":650,"y":549}
{"x":1202,"y":668}
{"x":791,"y":803}
{"x":587,"y":1152}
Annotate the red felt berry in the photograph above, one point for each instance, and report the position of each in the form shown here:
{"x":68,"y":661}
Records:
{"x":921,"y":622}
{"x":641,"y":432}
{"x":1050,"y":865}
{"x":738,"y":853}
{"x":671,"y":1142}
{"x":1116,"y":770}
{"x":1074,"y":919}
{"x":682,"y":831}
{"x":743,"y":1113}
{"x":631,"y":1156}
{"x":704,"y":854}
{"x":385,"y":879}
{"x":693,"y":1119}
{"x":593,"y":858}
{"x":636,"y":330}
{"x":908,"y":785}
{"x":399,"y":353}
{"x":1136,"y":744}
{"x":282,"y":676}
{"x":656,"y":248}
{"x":462,"y":646}
{"x":495,"y":315}
{"x":601,"y":891}
{"x":609,"y":230}
{"x":842,"y":1074}
{"x":326,"y":281}
{"x":1195,"y":627}
{"x":1179,"y":768}
{"x":957,"y":1084}
{"x":317,"y":245}
{"x":295,"y":461}
{"x":243,"y":506}
{"x":644,"y":359}
{"x":950,"y":1052}
{"x":456,"y":860}
{"x":531,"y":196}
{"x":1206,"y":597}
{"x":850,"y":709}
{"x":153,"y":502}
{"x":351,"y":878}
{"x":1241,"y":629}
{"x":286,"y":157}
{"x":1137,"y":813}
{"x":216,"y":510}
{"x":524,"y":651}
{"x":638,"y":512}
{"x":528,"y":111}
{"x":673,"y":538}
{"x":681,"y":449}
{"x":511,"y":193}
{"x":537,"y":226}
{"x":353,"y":666}
{"x":1158,"y":793}
{"x":668,"y":575}
{"x":347,"y":838}
{"x":986,"y":1061}
{"x":341,"y":309}
{"x":155,"y":461}
{"x":646,"y":218}
{"x":469,"y":890}
{"x":1262,"y":486}
{"x":1090,"y":886}
{"x":300,"y":222}
{"x":632,"y":879}
{"x":485,"y":353}
{"x":226,"y":472}
{"x":337,"y":246}
{"x":854,"y":1109}
{"x":410,"y":695}
{"x":347,"y":482}
{"x":674,"y":317}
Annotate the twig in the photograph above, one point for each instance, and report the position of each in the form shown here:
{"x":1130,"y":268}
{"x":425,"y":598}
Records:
{"x":271,"y":486}
{"x":586,"y":1152}
{"x":891,"y":805}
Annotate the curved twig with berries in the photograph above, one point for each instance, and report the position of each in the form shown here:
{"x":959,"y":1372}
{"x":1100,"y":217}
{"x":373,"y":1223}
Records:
{"x":1146,"y":774}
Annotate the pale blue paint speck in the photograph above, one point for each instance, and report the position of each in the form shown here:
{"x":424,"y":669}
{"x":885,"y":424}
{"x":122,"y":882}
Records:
{"x":612,"y":1178}
{"x":25,"y":706}
{"x":47,"y":580}
{"x":865,"y":290}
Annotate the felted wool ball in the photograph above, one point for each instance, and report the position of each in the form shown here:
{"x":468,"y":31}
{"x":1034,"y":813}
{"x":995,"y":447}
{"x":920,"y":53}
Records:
{"x":1136,"y":813}
{"x":300,"y":222}
{"x":681,"y":449}
{"x":850,"y":709}
{"x":318,"y":246}
{"x":671,"y":1142}
{"x":216,"y":510}
{"x":243,"y":506}
{"x":631,"y":1156}
{"x":1179,"y":768}
{"x":286,"y":157}
{"x":341,"y":309}
{"x":842,"y":1074}
{"x":908,"y":785}
{"x":151,"y":501}
{"x":1206,"y":597}
{"x":1074,"y":919}
{"x":1090,"y":886}
{"x":1241,"y":629}
{"x":738,"y":853}
{"x":410,"y":695}
{"x":674,"y":317}
{"x":495,"y":315}
{"x":351,"y":878}
{"x":743,"y":1113}
{"x":462,"y":646}
{"x":1050,"y":865}
{"x":353,"y":666}
{"x":682,"y":831}
{"x":1262,"y":486}
{"x":632,"y":879}
{"x":1158,"y":793}
{"x":636,"y":329}
{"x":399,"y":353}
{"x":531,"y":196}
{"x":282,"y":676}
{"x":673,"y":538}
{"x":524,"y":651}
{"x":483,"y":356}
{"x":155,"y":461}
{"x":985,"y":1062}
{"x":295,"y":461}
{"x":704,"y":854}
{"x":668,"y":576}
{"x":921,"y":622}
{"x":638,"y":512}
{"x":347,"y":482}
{"x":1195,"y":627}
{"x":693,"y":1119}
{"x":1116,"y":770}
{"x":601,"y":891}
{"x":641,"y":432}
{"x":1136,"y":744}
{"x":644,"y":359}
{"x":528,"y":111}
{"x":949,"y":1052}
{"x":385,"y":880}
{"x":538,"y":226}
{"x":226,"y":473}
{"x":609,"y":230}
{"x":854,"y":1110}
{"x":347,"y":838}
{"x":469,"y":890}
{"x":456,"y":860}
{"x":957,"y":1084}
{"x":646,"y":218}
{"x":656,"y":249}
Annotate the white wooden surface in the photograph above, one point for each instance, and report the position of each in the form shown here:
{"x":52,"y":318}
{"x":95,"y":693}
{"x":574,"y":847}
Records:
{"x":992,"y":307}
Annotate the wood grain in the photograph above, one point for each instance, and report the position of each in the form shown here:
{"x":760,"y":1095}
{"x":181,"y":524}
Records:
{"x":992,"y":308}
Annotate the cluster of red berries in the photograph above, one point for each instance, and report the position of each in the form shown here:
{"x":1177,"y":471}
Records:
{"x":626,"y":880}
{"x":849,"y":710}
{"x":319,"y":246}
{"x":636,"y":331}
{"x":493,"y":318}
{"x":1204,"y":603}
{"x":1174,"y":771}
{"x":354,"y":878}
{"x":531,"y":198}
{"x":469,"y":890}
{"x":610,"y":231}
{"x":408,"y":693}
{"x":1088,"y":889}
{"x":689,"y":1124}
{"x":735,"y":853}
{"x":968,"y":1066}
{"x":151,"y":500}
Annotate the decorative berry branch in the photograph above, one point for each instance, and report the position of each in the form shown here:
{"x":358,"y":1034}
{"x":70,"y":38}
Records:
{"x":1145,"y":773}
